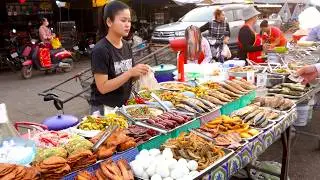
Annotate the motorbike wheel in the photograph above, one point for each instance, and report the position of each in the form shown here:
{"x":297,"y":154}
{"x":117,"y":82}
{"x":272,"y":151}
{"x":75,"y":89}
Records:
{"x":69,"y":68}
{"x":26,"y":71}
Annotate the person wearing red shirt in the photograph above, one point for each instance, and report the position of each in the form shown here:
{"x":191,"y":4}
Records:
{"x":272,"y":35}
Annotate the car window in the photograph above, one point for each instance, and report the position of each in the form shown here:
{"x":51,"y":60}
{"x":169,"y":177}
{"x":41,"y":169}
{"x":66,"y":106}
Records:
{"x":203,"y":14}
{"x":238,"y":14}
{"x":229,"y":15}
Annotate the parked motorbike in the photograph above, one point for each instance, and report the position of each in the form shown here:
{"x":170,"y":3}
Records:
{"x":12,"y":57}
{"x":61,"y":60}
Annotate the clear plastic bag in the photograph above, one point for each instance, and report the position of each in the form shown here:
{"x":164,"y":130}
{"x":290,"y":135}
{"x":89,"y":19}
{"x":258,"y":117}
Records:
{"x":147,"y":81}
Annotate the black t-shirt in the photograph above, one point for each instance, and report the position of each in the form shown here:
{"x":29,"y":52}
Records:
{"x":109,"y":60}
{"x":247,"y":38}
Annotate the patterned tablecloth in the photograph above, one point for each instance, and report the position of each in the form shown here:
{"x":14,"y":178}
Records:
{"x":252,"y":150}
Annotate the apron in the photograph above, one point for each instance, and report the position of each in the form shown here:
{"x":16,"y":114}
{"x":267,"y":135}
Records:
{"x":254,"y":56}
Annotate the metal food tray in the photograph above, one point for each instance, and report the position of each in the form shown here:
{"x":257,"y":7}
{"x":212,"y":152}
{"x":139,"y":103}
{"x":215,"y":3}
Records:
{"x":198,"y":133}
{"x":172,"y":82}
{"x":228,"y":153}
{"x":142,"y":105}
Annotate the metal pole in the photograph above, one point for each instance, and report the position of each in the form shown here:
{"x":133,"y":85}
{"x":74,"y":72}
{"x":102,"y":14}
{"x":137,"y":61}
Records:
{"x":60,"y":13}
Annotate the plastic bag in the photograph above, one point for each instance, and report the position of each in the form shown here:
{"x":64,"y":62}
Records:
{"x":148,"y":81}
{"x":55,"y":42}
{"x":44,"y":57}
{"x":226,"y":51}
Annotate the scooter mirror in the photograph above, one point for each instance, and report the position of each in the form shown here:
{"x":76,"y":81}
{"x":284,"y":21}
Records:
{"x":14,"y":30}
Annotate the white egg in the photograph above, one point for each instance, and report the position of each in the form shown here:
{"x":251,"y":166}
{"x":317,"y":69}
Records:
{"x":145,"y":176}
{"x":145,"y":164}
{"x":176,"y":173}
{"x":163,"y":171}
{"x":183,"y":161}
{"x":152,"y":169}
{"x":168,"y":178}
{"x":167,"y":153}
{"x":154,"y":152}
{"x":144,"y":152}
{"x":187,"y":177}
{"x":156,"y":177}
{"x":192,"y":165}
{"x":194,"y":174}
{"x":138,"y":170}
{"x":172,"y":163}
{"x":140,"y":157}
{"x":184,"y":170}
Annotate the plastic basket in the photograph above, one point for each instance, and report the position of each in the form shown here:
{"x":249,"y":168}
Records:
{"x":230,"y":107}
{"x":246,"y":99}
{"x":128,"y":155}
{"x":186,"y":127}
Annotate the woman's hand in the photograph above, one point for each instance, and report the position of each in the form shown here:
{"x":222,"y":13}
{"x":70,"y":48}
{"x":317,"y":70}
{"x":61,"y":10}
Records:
{"x":138,"y":70}
{"x":266,"y":47}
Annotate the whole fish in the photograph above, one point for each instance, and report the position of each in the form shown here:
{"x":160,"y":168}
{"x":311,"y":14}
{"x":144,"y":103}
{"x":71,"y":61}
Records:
{"x":193,"y":105}
{"x":248,"y":84}
{"x":223,"y":94}
{"x":223,"y":90}
{"x":252,"y":115}
{"x":237,"y":86}
{"x":207,"y":103}
{"x":218,"y":96}
{"x":259,"y":118}
{"x":230,"y":88}
{"x":186,"y":108}
{"x":242,"y":84}
{"x":212,"y":99}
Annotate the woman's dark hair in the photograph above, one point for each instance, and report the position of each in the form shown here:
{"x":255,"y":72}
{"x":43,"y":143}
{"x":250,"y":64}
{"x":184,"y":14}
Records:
{"x":264,"y":23}
{"x":43,"y":19}
{"x":110,"y":10}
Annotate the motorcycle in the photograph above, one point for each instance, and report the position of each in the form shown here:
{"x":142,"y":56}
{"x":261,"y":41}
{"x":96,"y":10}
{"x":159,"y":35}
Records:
{"x":13,"y":59}
{"x":61,"y":60}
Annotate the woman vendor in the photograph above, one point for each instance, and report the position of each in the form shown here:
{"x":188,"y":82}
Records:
{"x":272,"y":35}
{"x":250,"y":43}
{"x":112,"y":63}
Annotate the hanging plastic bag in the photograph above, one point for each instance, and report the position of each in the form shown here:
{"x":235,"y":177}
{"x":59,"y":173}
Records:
{"x":226,"y":51}
{"x":148,"y":81}
{"x":55,"y":42}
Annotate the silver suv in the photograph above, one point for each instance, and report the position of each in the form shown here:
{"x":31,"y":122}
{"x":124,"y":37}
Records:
{"x":202,"y":15}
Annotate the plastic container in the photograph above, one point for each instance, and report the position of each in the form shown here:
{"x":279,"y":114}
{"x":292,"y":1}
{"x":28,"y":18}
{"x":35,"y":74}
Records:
{"x":155,"y":142}
{"x":246,"y":99}
{"x":230,"y":107}
{"x":193,"y":124}
{"x":164,"y":72}
{"x":303,"y":115}
{"x":232,"y":63}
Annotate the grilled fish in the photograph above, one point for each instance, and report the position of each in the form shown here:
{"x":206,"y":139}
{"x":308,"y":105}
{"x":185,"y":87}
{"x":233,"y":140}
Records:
{"x":212,"y":99}
{"x":218,"y":96}
{"x":193,"y":105}
{"x":248,"y":84}
{"x":230,"y":88}
{"x":207,"y":103}
{"x":252,"y":115}
{"x":183,"y":107}
{"x":237,"y":86}
{"x":223,"y":90}
{"x":199,"y":103}
{"x":259,"y":118}
{"x":242,"y":84}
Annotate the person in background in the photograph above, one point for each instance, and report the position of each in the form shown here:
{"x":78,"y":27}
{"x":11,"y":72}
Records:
{"x":272,"y":35}
{"x":197,"y":43}
{"x":45,"y":33}
{"x":219,"y":34}
{"x":314,"y":34}
{"x":250,"y":43}
{"x":309,"y":73}
{"x":111,"y":62}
